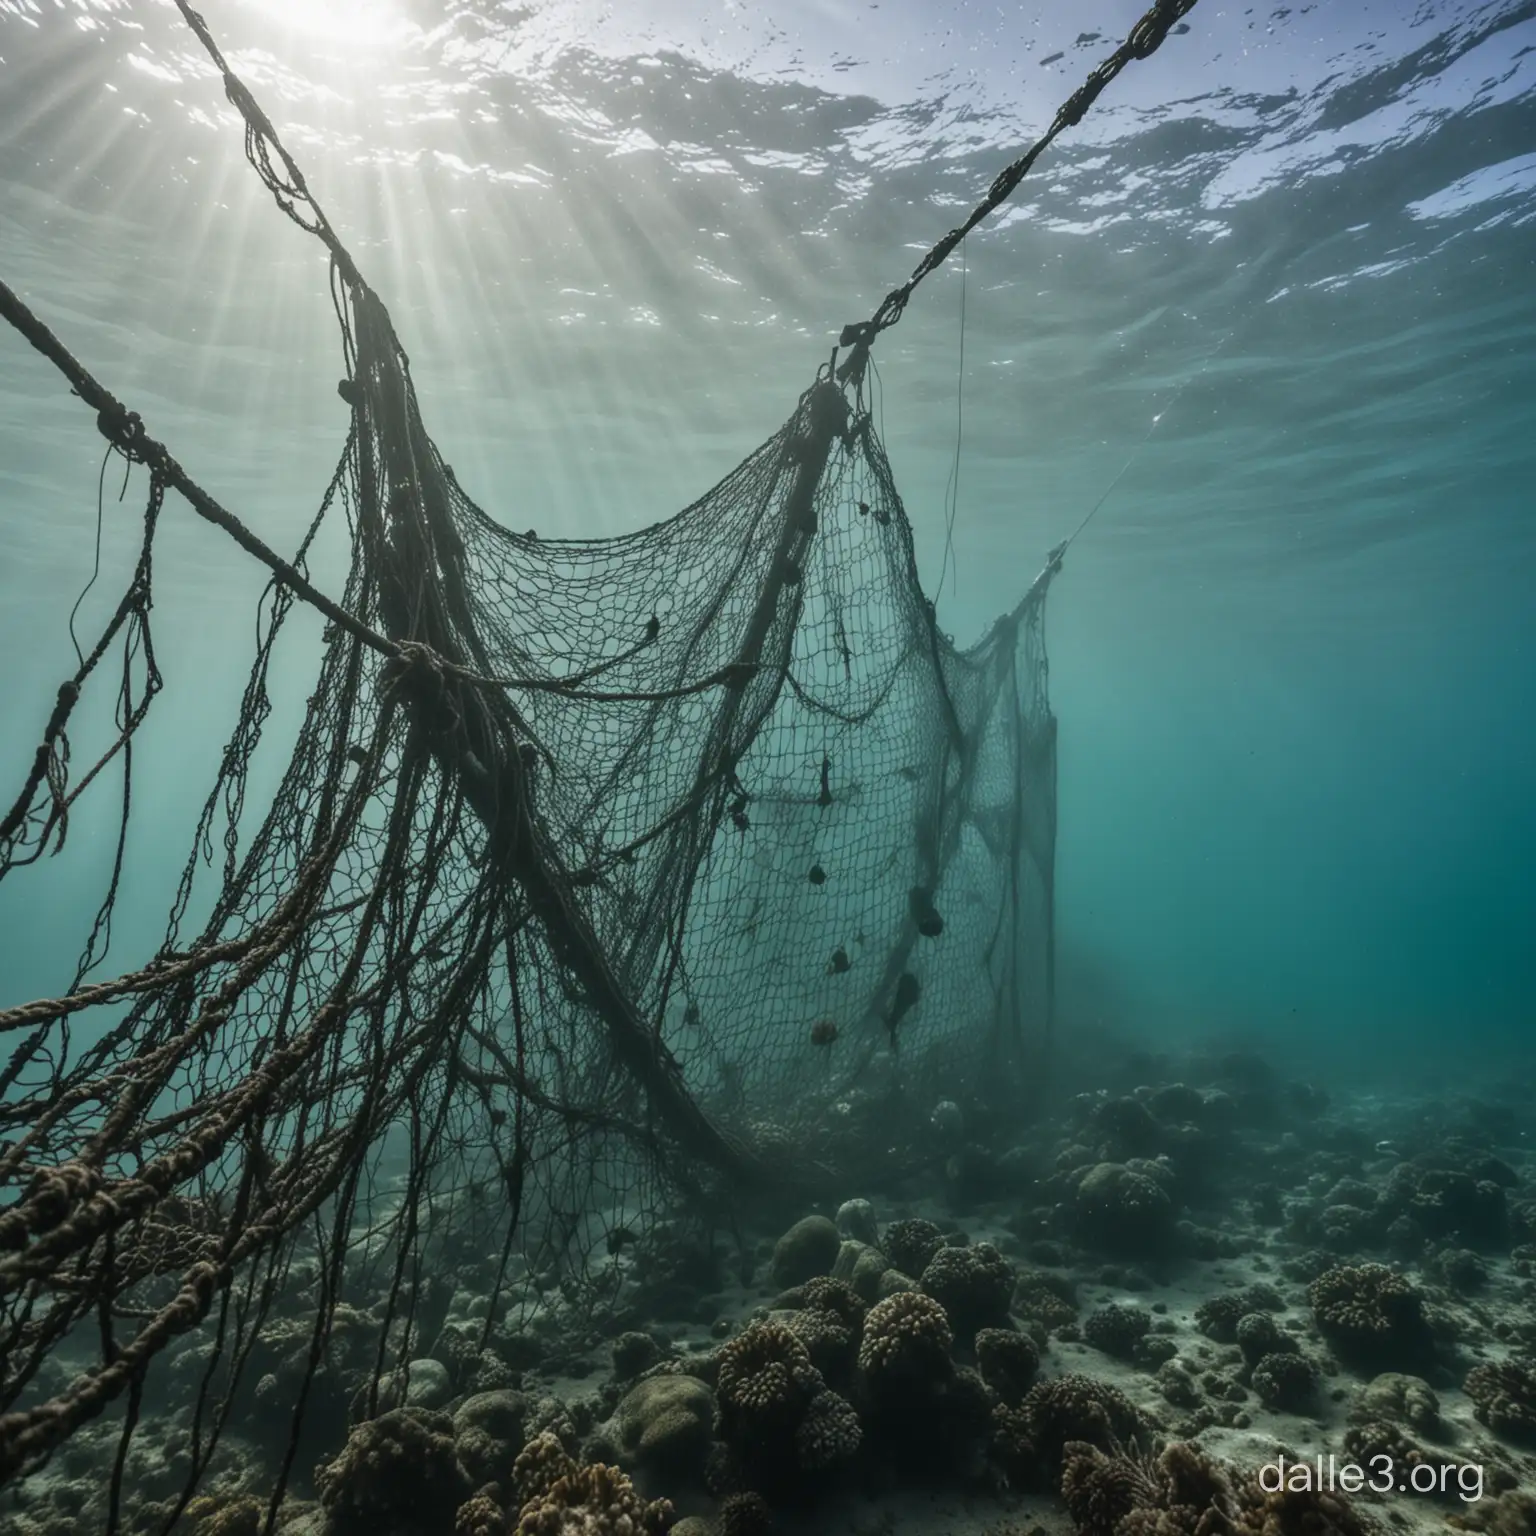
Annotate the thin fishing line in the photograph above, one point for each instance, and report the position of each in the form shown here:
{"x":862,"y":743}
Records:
{"x":1146,"y":437}
{"x":952,"y":485}
{"x":101,"y":481}
{"x":880,"y":397}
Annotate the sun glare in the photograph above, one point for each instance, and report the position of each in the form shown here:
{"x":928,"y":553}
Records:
{"x":364,"y":23}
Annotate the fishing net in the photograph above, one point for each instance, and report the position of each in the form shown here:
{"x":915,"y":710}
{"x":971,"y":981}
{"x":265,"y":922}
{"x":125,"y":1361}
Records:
{"x":606,"y":880}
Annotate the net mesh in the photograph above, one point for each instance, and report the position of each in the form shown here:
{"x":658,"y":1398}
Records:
{"x":606,"y":880}
{"x":639,"y":869}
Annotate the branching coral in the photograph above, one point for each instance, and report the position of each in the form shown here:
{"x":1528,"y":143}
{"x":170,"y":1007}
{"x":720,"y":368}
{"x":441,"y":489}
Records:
{"x":1448,"y":1203}
{"x":1372,"y":1317}
{"x":1100,"y":1490}
{"x":765,"y":1382}
{"x":830,"y":1323}
{"x":1296,"y":1511}
{"x":1008,"y":1361}
{"x":907,"y":1338}
{"x":1217,"y":1317}
{"x":828,"y":1434}
{"x":400,"y":1465}
{"x":777,"y":1417}
{"x":1076,"y":1407}
{"x":598,"y":1500}
{"x":1285,"y":1380}
{"x":1117,"y":1329}
{"x":1503,"y":1397}
{"x":828,"y":1340}
{"x":911,"y":1244}
{"x":543,"y":1462}
{"x":1374,"y":1444}
{"x":1048,"y":1301}
{"x":1181,"y":1492}
{"x":920,"y":1410}
{"x":824,"y":1294}
{"x":974,"y":1286}
{"x":744,"y":1514}
{"x":1258,"y":1334}
{"x":481,"y":1516}
{"x":1184,"y":1492}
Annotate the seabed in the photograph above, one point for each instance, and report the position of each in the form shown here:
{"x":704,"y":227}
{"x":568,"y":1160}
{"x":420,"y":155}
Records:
{"x":1330,"y":1295}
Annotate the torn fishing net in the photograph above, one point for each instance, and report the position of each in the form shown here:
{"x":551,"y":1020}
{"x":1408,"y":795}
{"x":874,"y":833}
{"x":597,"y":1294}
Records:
{"x":606,"y":881}
{"x":643,"y":869}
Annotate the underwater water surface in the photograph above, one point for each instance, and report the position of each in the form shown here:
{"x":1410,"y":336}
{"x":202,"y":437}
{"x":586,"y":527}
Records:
{"x":1276,"y":297}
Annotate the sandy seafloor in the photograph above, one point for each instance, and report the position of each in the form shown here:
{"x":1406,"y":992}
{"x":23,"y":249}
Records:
{"x":1259,"y":1198}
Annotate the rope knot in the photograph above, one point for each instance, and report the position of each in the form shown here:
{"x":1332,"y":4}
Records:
{"x":416,"y":657}
{"x":56,"y":1191}
{"x":123,"y":428}
{"x":417,"y":667}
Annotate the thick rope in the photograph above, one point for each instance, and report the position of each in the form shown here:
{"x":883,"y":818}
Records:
{"x":124,"y":429}
{"x":289,"y":186}
{"x":1144,"y":40}
{"x":292,"y":192}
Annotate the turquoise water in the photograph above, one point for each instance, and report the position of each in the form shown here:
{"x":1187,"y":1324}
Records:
{"x":1280,"y":284}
